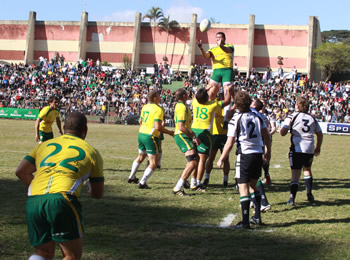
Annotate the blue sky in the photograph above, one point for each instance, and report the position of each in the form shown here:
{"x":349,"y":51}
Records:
{"x":333,"y":15}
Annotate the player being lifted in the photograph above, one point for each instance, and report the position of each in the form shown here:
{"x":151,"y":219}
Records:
{"x":248,"y":131}
{"x":185,"y":139}
{"x":302,"y":127}
{"x":151,"y":119}
{"x":204,"y":110}
{"x":222,"y":59}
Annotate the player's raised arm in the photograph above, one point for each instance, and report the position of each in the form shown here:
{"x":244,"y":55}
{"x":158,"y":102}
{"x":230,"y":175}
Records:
{"x":204,"y":53}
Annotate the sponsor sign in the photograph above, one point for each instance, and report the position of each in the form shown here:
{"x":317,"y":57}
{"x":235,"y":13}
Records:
{"x":19,"y":113}
{"x":335,"y":128}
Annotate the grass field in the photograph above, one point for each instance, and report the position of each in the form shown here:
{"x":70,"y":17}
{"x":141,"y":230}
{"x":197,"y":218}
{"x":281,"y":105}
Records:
{"x":129,"y":223}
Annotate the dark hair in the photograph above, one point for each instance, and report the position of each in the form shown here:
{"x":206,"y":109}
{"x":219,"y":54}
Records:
{"x":52,"y":98}
{"x":202,"y":96}
{"x":243,"y":101}
{"x":259,"y":105}
{"x":179,"y":93}
{"x":223,"y":35}
{"x":76,"y":123}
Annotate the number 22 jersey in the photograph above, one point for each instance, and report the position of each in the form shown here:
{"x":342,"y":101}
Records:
{"x":63,"y":164}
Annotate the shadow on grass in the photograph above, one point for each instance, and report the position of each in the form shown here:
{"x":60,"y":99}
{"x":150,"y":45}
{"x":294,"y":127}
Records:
{"x":129,"y":227}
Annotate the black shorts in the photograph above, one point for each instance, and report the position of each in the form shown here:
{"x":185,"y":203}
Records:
{"x":300,"y":160}
{"x":248,"y":166}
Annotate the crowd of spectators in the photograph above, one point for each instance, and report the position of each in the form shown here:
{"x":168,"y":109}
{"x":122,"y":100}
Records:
{"x":96,"y":91}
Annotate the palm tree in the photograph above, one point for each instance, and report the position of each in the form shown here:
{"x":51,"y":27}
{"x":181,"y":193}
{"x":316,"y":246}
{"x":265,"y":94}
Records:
{"x":167,"y":25}
{"x":154,"y":14}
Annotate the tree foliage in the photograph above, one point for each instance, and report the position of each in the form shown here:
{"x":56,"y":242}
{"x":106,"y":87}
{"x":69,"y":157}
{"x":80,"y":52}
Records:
{"x":336,"y":36}
{"x":167,"y":25}
{"x":154,"y":15}
{"x":332,"y":58}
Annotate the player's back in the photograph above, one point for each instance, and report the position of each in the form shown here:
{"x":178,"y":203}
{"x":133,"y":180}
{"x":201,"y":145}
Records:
{"x":203,"y":114}
{"x":246,"y":128}
{"x":303,"y":127}
{"x":63,"y":164}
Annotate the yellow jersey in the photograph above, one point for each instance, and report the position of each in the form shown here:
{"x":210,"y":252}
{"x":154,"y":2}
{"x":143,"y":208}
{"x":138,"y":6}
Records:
{"x":151,"y":113}
{"x":203,"y":115}
{"x":220,"y":58}
{"x":48,"y":116}
{"x":182,"y":114}
{"x":63,"y":164}
{"x":218,"y":126}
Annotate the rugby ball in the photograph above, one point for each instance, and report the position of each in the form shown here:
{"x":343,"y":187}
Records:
{"x":204,"y":25}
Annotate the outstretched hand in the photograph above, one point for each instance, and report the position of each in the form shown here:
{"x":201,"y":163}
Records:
{"x":199,"y":44}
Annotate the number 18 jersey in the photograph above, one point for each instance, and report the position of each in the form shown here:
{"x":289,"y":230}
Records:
{"x":63,"y":164}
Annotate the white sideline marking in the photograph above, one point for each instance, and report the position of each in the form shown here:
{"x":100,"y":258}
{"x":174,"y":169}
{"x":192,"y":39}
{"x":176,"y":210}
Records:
{"x":227,"y":221}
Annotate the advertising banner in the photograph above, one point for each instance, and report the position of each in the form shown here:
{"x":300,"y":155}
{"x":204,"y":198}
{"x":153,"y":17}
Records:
{"x":335,"y":128}
{"x":20,"y":113}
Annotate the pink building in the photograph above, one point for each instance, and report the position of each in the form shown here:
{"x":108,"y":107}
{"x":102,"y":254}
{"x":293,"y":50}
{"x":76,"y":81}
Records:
{"x":258,"y":46}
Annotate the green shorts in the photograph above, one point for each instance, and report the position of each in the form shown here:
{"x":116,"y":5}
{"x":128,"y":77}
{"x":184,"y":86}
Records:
{"x":222,"y":75}
{"x":148,"y":143}
{"x":205,"y":137}
{"x":184,"y":142}
{"x":54,"y":217}
{"x":218,"y":141}
{"x":45,"y":136}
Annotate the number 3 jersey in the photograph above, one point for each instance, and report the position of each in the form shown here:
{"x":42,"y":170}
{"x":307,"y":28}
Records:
{"x":246,"y":129}
{"x":302,"y":127}
{"x":63,"y":164}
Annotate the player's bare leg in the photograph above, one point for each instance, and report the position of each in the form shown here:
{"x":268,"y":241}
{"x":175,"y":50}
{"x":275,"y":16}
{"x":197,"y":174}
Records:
{"x":72,"y":250}
{"x":209,"y":166}
{"x":47,"y":251}
{"x":191,"y":165}
{"x":212,"y":89}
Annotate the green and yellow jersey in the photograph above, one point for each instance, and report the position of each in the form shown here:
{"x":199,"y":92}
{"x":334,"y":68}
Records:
{"x":150,"y":113}
{"x":220,"y":58}
{"x":203,"y":115}
{"x":218,"y":126}
{"x":182,"y":114}
{"x":63,"y":164}
{"x":48,"y":116}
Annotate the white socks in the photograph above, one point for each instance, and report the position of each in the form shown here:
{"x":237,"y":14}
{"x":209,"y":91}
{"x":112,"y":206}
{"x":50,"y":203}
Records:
{"x":146,"y":175}
{"x":134,"y":167}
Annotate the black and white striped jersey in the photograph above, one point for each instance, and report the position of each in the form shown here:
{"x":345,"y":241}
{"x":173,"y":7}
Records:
{"x":302,"y":127}
{"x":246,"y":128}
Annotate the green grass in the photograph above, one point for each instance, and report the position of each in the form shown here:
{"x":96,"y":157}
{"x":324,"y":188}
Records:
{"x":154,"y":224}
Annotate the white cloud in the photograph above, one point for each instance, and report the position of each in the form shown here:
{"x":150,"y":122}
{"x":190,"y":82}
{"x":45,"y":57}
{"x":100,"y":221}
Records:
{"x":181,"y":11}
{"x":121,"y":16}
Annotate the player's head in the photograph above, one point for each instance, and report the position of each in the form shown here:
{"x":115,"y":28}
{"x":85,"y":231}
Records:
{"x":302,"y":105}
{"x":221,"y":35}
{"x":202,"y":96}
{"x":153,"y":97}
{"x":180,"y":93}
{"x":243,"y":101}
{"x":76,"y":124}
{"x":53,"y":102}
{"x":257,"y":104}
